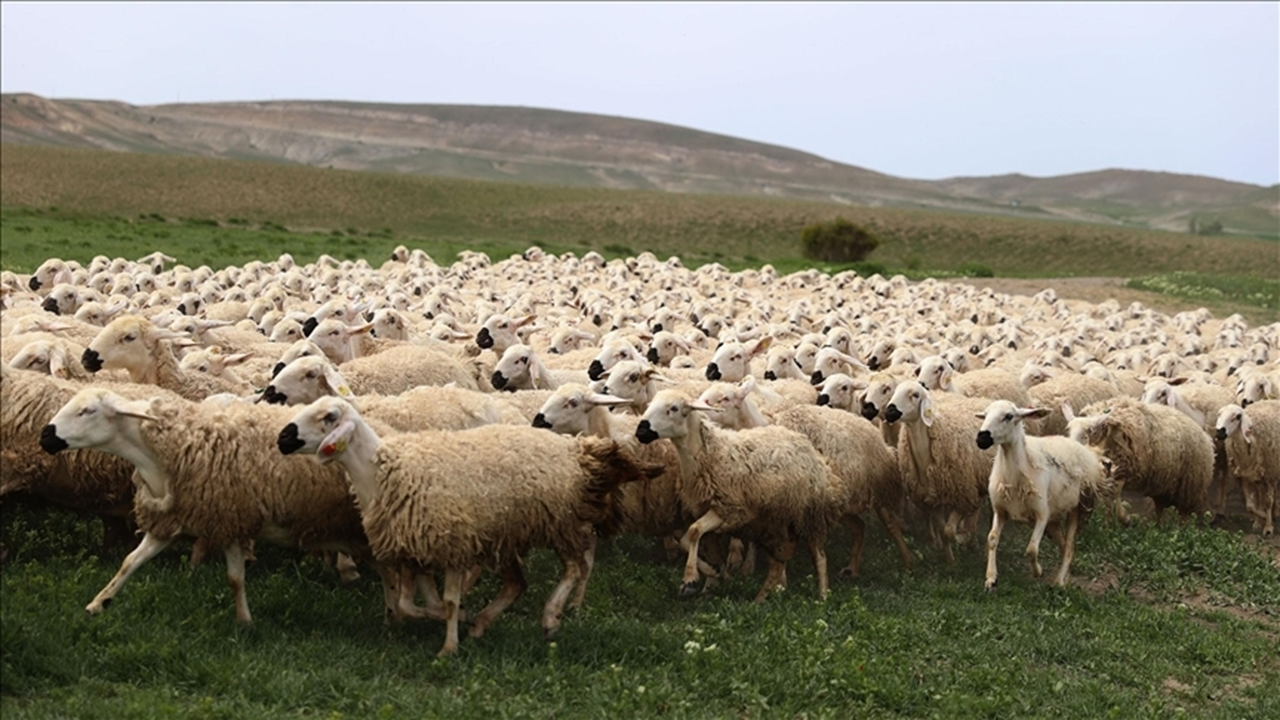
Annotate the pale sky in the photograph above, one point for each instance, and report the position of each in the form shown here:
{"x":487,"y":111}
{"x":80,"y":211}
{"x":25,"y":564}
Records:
{"x":917,"y":90}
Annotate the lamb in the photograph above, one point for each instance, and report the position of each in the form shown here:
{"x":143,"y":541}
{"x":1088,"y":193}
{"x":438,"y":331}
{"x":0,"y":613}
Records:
{"x":1251,"y":436}
{"x":942,"y":472}
{"x":553,"y":490}
{"x":1037,"y":481}
{"x":765,"y":482}
{"x":1155,"y":450}
{"x":207,"y":471}
{"x":866,"y":467}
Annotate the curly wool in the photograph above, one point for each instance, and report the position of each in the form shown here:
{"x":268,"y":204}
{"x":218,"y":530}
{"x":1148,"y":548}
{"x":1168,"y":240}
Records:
{"x":405,"y":366}
{"x":1257,"y":461}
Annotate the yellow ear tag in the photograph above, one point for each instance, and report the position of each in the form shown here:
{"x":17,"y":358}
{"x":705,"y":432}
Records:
{"x":333,"y":448}
{"x":928,"y":413}
{"x":344,"y":391}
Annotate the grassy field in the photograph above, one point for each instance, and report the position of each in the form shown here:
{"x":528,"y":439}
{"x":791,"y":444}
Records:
{"x":456,"y":213}
{"x":1160,"y":622}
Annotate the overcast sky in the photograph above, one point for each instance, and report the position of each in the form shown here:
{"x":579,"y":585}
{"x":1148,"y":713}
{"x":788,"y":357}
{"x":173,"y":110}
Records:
{"x":915,"y":90}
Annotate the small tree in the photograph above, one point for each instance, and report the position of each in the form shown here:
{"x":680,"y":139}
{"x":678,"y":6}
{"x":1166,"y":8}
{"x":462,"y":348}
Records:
{"x":837,"y":241}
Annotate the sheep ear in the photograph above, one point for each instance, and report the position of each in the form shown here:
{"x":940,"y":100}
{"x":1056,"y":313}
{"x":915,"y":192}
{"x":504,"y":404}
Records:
{"x":745,"y":387}
{"x":335,"y":381}
{"x":1067,"y":412}
{"x":136,"y":409}
{"x":184,"y":343}
{"x":926,"y":411}
{"x":1034,"y":413}
{"x":1178,"y":380}
{"x":335,"y":443}
{"x":699,"y":405}
{"x":607,"y":400}
{"x":1246,"y":427}
{"x":945,"y":380}
{"x":357,"y":329}
{"x":236,"y":359}
{"x":58,"y":363}
{"x":166,"y":334}
{"x":1171,"y":400}
{"x":524,"y":321}
{"x":761,"y":346}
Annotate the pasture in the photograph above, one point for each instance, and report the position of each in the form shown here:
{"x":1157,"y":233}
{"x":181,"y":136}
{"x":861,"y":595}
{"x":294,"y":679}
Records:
{"x":1156,"y":622}
{"x":1159,"y":622}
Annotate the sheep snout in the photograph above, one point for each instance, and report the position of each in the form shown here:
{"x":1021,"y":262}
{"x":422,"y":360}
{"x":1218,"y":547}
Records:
{"x":713,"y":372}
{"x":288,"y":440}
{"x":824,"y":399}
{"x":540,"y":421}
{"x":645,"y":433}
{"x":50,"y":442}
{"x":483,"y":338}
{"x":985,"y":440}
{"x":892,"y":413}
{"x":91,"y":360}
{"x":50,"y":304}
{"x":595,"y":370}
{"x":870,"y":411}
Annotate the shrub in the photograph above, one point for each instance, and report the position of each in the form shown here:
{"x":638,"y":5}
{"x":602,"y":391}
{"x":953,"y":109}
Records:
{"x":838,"y":241}
{"x":973,"y":269}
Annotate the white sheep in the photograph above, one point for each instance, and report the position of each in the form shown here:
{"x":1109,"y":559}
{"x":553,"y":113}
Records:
{"x":419,"y":503}
{"x":209,"y":472}
{"x":520,"y":368}
{"x":769,"y":484}
{"x":943,"y":473}
{"x":1155,"y":450}
{"x":135,"y":344}
{"x":1037,"y":481}
{"x":1251,"y":436}
{"x":1067,"y":388}
{"x":866,"y":467}
{"x":732,"y":360}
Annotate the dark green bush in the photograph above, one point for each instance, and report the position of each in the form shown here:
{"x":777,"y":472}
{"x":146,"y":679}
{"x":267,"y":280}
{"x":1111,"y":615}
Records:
{"x":838,"y":241}
{"x":973,"y":269}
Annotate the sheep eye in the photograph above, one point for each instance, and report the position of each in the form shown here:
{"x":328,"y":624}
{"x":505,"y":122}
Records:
{"x":1008,"y":417}
{"x":635,"y":378}
{"x":573,"y":403}
{"x":84,"y":411}
{"x":128,"y":338}
{"x":331,"y":417}
{"x":310,"y":375}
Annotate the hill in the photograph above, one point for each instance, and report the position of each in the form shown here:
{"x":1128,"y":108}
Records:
{"x":550,"y":147}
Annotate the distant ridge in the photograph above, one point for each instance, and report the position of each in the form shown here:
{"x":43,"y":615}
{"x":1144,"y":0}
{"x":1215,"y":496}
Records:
{"x":532,"y":145}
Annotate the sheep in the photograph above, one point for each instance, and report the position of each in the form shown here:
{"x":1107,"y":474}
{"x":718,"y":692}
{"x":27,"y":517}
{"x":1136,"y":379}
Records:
{"x":831,"y":361}
{"x":499,"y":332}
{"x":1037,"y":481}
{"x":207,"y":471}
{"x":1251,"y":436}
{"x":942,"y":472}
{"x":520,"y":368}
{"x":83,"y":480}
{"x":614,"y":348}
{"x":417,"y":502}
{"x":1202,"y":403}
{"x":1155,"y":450}
{"x":135,"y":344}
{"x":731,"y":361}
{"x":768,"y":483}
{"x":866,"y":467}
{"x":1066,"y":388}
{"x":52,"y":356}
{"x":426,"y":407}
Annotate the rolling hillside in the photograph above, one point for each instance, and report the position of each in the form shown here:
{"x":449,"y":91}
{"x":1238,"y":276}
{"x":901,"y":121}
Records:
{"x":530,"y":145}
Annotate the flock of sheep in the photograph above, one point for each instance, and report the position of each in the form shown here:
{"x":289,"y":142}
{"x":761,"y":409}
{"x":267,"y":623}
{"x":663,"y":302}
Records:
{"x":464,"y":414}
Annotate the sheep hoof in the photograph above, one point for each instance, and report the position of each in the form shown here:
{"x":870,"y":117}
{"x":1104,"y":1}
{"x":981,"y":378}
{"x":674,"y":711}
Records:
{"x":688,"y":590}
{"x":991,"y":586}
{"x":848,"y":574}
{"x":549,"y":633}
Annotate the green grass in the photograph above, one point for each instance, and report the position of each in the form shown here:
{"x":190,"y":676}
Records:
{"x":1259,"y":292}
{"x":929,"y":643}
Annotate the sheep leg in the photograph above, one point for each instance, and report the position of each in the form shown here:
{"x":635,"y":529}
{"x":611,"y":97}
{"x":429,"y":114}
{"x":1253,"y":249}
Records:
{"x":588,"y":562}
{"x":150,"y":546}
{"x":736,"y":551}
{"x":1033,"y":545}
{"x":1221,"y":477}
{"x":452,"y":603}
{"x":199,"y":549}
{"x":235,"y":578}
{"x":993,"y":541}
{"x":572,"y":562}
{"x":817,"y":549}
{"x":513,"y":586}
{"x":775,"y":578}
{"x":425,"y":583}
{"x":347,"y":571}
{"x":689,"y":542}
{"x":1068,"y":548}
{"x":894,"y":527}
{"x":857,"y":528}
{"x":472,"y":577}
